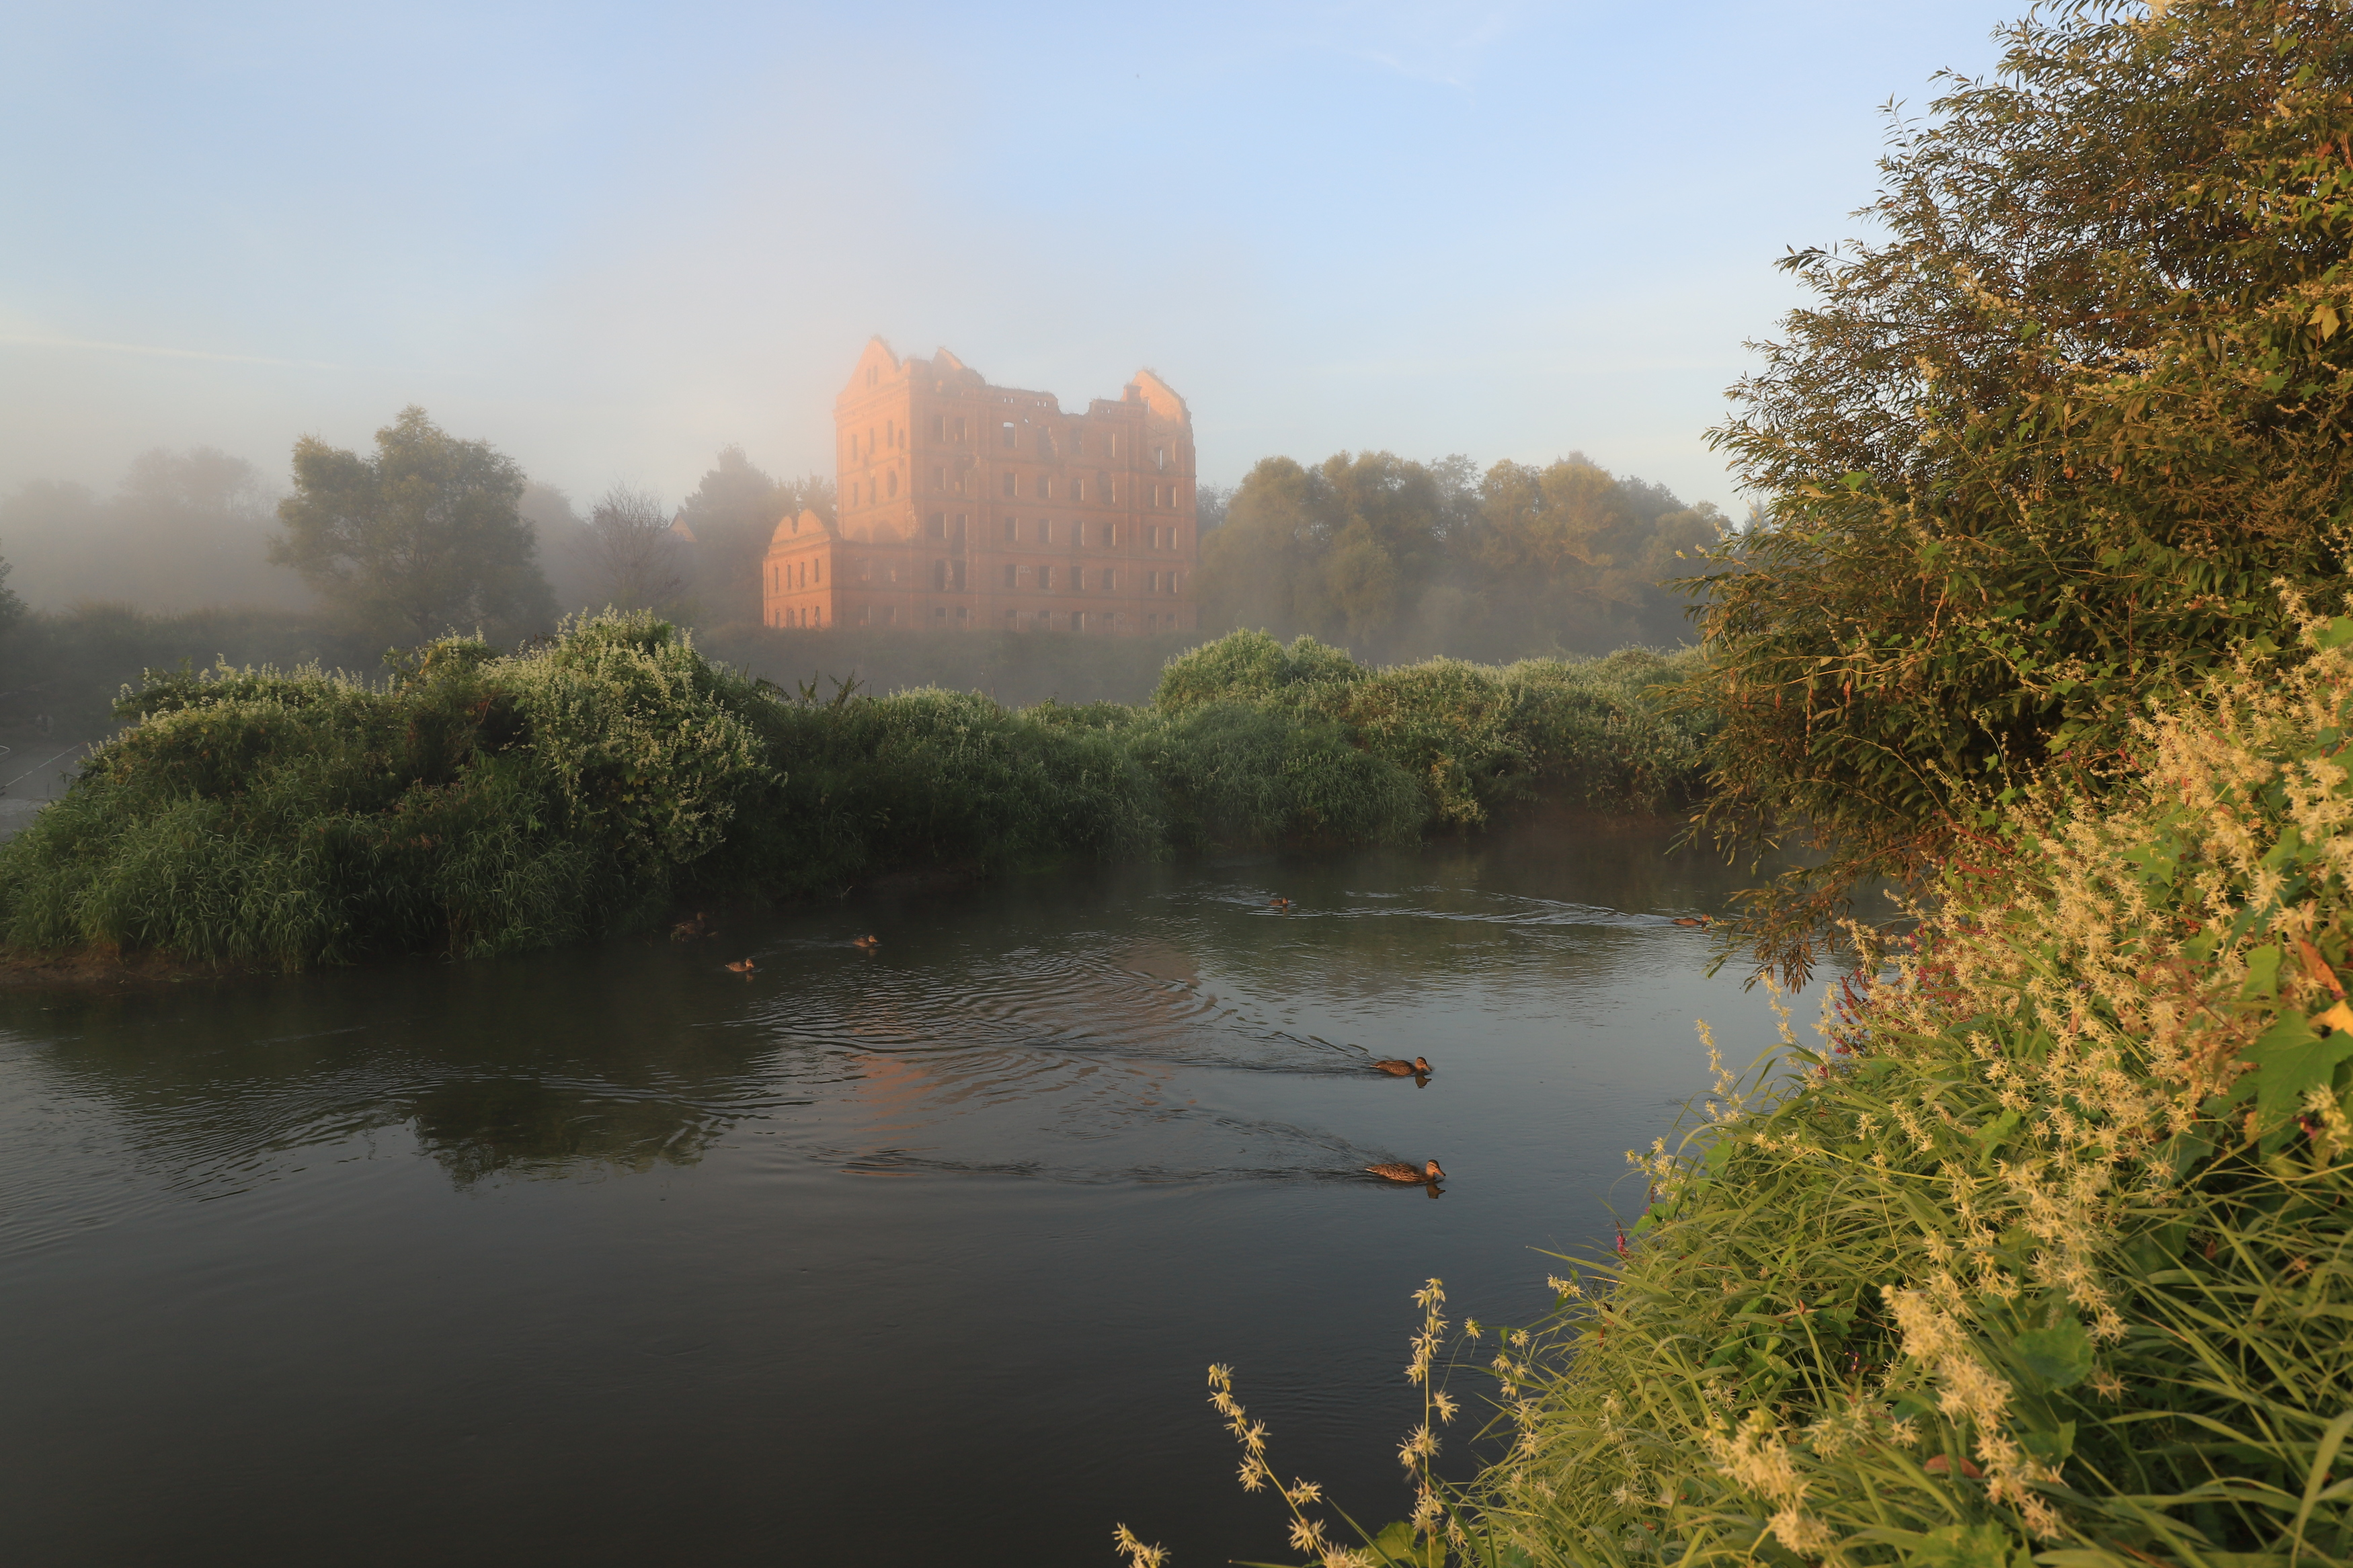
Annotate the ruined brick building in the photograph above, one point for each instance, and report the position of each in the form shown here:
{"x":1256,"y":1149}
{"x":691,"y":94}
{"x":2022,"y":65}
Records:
{"x":963,"y":505}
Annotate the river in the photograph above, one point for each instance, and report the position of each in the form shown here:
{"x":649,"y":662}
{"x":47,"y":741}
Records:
{"x":914,"y":1255}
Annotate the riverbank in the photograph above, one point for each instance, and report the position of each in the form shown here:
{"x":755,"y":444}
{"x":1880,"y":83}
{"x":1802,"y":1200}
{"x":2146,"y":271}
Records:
{"x":2045,"y":1254}
{"x":478,"y":804}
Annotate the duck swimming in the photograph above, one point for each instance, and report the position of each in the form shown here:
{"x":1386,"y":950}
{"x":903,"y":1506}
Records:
{"x":741,"y":966}
{"x":868,"y":943}
{"x":1281,"y":904}
{"x":1418,"y":1068}
{"x":1398,"y":1170}
{"x":1691,"y":919}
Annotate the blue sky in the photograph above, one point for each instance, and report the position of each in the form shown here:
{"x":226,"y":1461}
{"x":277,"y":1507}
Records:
{"x":611,"y":238}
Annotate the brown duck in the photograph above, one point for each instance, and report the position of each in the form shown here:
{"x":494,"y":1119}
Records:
{"x":868,"y":943}
{"x":1418,"y":1068}
{"x":1398,"y":1170}
{"x":741,"y":966}
{"x":1281,"y":904}
{"x":1691,"y":919}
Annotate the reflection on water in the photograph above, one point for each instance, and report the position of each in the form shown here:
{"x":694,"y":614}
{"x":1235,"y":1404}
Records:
{"x":1106,"y":1127}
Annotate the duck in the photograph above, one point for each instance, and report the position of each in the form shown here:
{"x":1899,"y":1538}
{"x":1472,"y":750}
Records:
{"x":741,"y":966}
{"x":1281,"y":904}
{"x":1691,"y":919}
{"x":1398,"y":1170}
{"x":869,"y":943}
{"x":688,"y":929}
{"x":1418,"y":1068}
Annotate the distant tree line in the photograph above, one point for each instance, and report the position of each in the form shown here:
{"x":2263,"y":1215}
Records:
{"x":429,"y":533}
{"x":1395,"y":558}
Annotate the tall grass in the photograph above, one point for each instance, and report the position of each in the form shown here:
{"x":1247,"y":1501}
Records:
{"x":2046,"y":1254}
{"x":477,"y":802}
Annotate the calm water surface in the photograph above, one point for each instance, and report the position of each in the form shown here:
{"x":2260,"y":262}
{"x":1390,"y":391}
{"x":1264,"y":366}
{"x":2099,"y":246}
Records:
{"x":915,"y":1256}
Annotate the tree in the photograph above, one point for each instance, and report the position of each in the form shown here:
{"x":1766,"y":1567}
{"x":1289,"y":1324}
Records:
{"x":421,"y":539}
{"x":1399,"y":559}
{"x":636,"y":554}
{"x":12,"y":607}
{"x":731,"y":515}
{"x":183,"y":531}
{"x":2040,"y":456}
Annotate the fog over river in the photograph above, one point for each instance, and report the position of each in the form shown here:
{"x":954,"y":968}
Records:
{"x":914,"y":1254}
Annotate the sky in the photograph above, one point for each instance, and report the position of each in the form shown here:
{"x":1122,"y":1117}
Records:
{"x":613,"y":238}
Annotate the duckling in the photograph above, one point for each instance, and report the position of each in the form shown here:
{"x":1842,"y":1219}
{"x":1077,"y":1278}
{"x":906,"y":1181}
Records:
{"x":869,"y":943}
{"x":742,"y":966}
{"x":1398,"y":1170}
{"x":1418,"y":1068}
{"x":1691,"y":919}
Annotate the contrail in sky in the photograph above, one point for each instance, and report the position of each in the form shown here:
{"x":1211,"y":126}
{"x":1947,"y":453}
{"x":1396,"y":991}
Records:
{"x":154,"y":353}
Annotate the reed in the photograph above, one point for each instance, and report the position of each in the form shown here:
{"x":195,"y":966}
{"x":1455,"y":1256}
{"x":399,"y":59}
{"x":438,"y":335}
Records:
{"x":475,"y":803}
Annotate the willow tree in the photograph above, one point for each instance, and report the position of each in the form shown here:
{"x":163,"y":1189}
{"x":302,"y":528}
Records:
{"x":2069,"y":432}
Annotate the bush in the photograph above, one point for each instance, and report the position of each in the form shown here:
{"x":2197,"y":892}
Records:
{"x":2046,"y":1255}
{"x":2039,"y":453}
{"x":477,"y":804}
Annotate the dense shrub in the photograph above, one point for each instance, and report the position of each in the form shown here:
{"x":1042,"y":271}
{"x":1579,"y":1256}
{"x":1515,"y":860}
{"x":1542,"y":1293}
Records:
{"x":2038,"y":451}
{"x":2046,"y":1255}
{"x":477,"y":802}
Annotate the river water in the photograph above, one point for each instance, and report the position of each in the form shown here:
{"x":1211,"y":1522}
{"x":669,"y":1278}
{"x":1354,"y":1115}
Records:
{"x":914,"y":1255}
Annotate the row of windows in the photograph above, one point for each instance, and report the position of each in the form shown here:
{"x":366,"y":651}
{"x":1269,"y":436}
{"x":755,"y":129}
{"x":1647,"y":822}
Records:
{"x":1041,"y":531}
{"x":1162,"y":496}
{"x":891,"y":479}
{"x":1079,"y":579}
{"x":795,"y":574}
{"x":812,"y":617}
{"x":792,"y":576}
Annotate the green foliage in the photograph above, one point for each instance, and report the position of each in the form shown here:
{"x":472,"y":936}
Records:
{"x":477,"y":802}
{"x":2046,"y":453}
{"x":12,"y":608}
{"x":2046,"y":1255}
{"x":420,"y":538}
{"x":1248,"y":666}
{"x":731,"y":516}
{"x":1394,"y":558}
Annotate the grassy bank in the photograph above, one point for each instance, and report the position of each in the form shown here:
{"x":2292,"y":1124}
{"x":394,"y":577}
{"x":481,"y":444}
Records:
{"x":476,"y":803}
{"x":2045,"y":1254}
